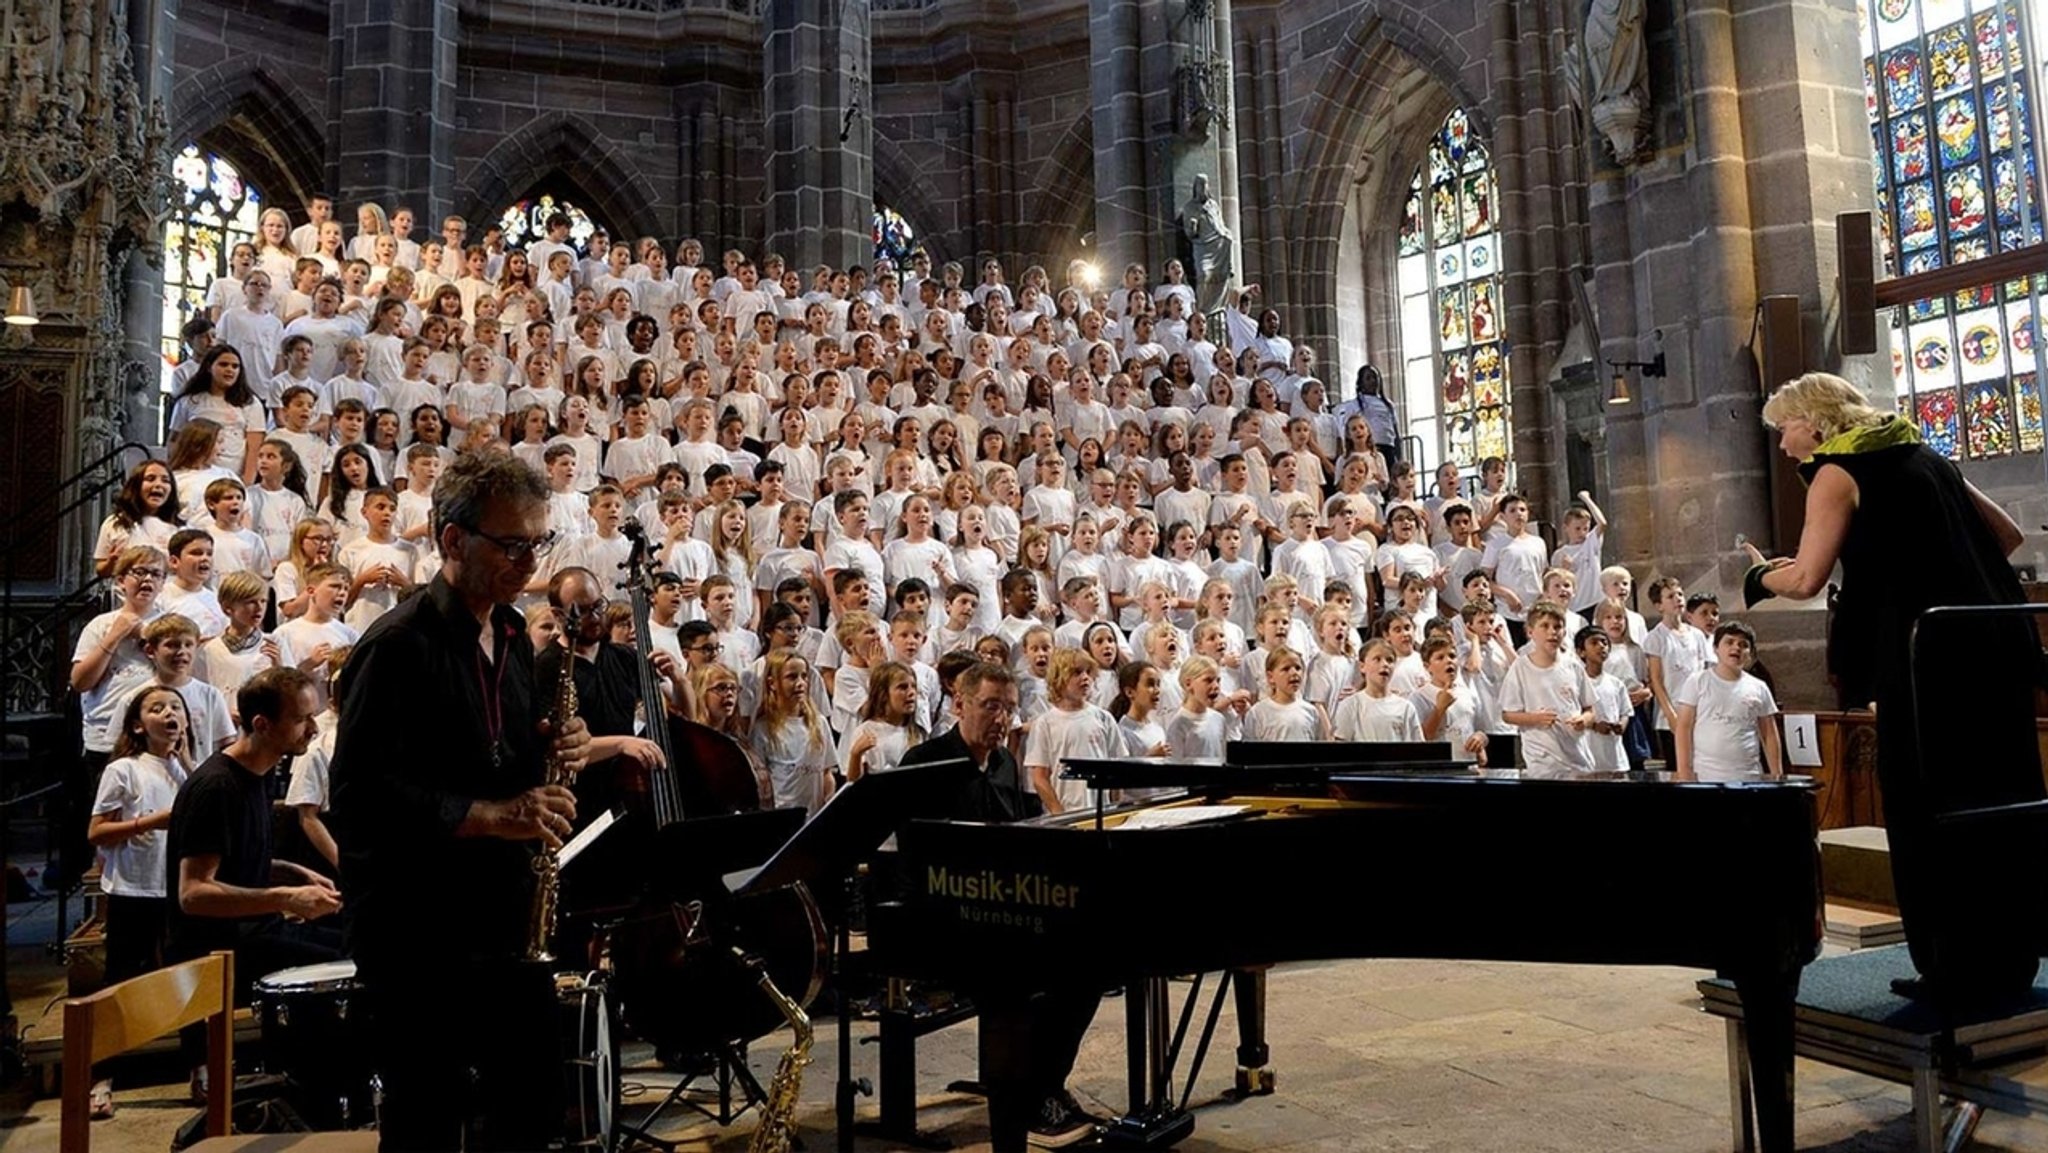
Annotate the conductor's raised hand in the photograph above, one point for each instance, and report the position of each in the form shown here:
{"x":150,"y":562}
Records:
{"x":571,"y":746}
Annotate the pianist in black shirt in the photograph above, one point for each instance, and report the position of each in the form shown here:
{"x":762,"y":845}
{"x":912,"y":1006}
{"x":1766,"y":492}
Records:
{"x":1029,"y":1038}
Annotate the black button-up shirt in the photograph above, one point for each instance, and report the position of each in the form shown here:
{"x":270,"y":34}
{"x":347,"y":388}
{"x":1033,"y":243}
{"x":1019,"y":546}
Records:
{"x":429,"y":725}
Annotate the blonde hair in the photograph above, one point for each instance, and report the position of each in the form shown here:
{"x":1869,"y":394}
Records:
{"x":1066,"y":665}
{"x":1341,"y":614}
{"x":1195,"y":667}
{"x":242,"y":587}
{"x":1830,"y":404}
{"x":773,"y":710}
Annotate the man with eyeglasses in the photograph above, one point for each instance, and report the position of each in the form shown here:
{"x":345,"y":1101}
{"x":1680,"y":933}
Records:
{"x":610,"y":874}
{"x":438,"y":808}
{"x":1029,"y":1037}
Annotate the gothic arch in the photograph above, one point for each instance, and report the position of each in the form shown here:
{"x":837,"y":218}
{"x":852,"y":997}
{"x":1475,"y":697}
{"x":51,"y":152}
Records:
{"x":1064,"y":193}
{"x":620,"y":194}
{"x":260,"y":121}
{"x":1386,"y":43}
{"x":899,"y":184}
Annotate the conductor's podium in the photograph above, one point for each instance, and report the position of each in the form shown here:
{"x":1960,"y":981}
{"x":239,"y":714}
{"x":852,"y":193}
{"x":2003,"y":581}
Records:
{"x":1847,"y":1016}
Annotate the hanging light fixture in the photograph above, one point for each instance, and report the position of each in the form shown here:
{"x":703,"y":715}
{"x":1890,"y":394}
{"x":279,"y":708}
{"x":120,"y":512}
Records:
{"x":1618,"y":392}
{"x":21,"y":307}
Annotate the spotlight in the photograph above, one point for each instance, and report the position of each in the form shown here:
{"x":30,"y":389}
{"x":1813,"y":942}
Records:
{"x":1091,"y":276}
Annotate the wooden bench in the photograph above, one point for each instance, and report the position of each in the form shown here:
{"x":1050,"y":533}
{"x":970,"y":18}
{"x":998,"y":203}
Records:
{"x":127,"y":1016}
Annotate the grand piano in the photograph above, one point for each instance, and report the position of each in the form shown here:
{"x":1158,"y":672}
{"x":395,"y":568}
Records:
{"x":1310,"y":851}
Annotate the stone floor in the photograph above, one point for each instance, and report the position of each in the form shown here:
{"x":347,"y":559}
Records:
{"x":1372,"y":1055}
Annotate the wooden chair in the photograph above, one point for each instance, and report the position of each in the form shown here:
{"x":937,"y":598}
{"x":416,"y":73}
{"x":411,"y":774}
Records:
{"x":141,"y":1009}
{"x":137,"y":1011}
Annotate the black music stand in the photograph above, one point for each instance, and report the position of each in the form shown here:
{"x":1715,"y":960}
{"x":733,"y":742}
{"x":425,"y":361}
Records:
{"x":827,"y":851}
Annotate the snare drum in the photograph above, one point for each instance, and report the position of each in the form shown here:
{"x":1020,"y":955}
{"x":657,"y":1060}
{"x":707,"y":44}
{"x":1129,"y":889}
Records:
{"x":590,"y":1061}
{"x":316,"y":1032}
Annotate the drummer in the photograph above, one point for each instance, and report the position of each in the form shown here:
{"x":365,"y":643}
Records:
{"x":231,"y":893}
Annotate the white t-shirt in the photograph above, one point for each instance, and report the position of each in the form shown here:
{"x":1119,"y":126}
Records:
{"x":309,"y":773}
{"x":1517,"y":564}
{"x":1413,"y":557}
{"x":1561,"y":688}
{"x":1610,"y":707}
{"x":1203,"y":737}
{"x":375,"y":599}
{"x":236,"y":422}
{"x":132,"y":788}
{"x":1363,"y":717}
{"x":1269,"y":720}
{"x":1725,"y":743}
{"x":1461,"y":718}
{"x":200,"y":606}
{"x":301,"y":637}
{"x":228,"y":670}
{"x":1583,"y":559}
{"x":1683,"y":652}
{"x":1058,"y":735}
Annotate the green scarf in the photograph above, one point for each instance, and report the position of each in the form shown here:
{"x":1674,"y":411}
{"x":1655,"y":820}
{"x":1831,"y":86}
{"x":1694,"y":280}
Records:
{"x":1894,"y":431}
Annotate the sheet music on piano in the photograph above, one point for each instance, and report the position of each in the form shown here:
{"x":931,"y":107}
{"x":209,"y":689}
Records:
{"x":1172,"y":817}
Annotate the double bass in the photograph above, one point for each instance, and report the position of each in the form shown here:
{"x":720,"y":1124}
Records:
{"x":677,"y":966}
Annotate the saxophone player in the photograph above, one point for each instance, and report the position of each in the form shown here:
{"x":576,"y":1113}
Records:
{"x":439,"y":806}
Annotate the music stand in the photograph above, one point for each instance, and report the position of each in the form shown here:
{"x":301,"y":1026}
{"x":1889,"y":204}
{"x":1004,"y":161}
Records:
{"x":853,"y":824}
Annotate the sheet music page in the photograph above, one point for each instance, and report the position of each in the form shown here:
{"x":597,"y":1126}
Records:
{"x":1174,"y":818}
{"x":583,"y":840}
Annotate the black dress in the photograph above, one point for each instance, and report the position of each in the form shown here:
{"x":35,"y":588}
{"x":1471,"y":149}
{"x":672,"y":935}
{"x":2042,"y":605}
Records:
{"x":1972,"y":892}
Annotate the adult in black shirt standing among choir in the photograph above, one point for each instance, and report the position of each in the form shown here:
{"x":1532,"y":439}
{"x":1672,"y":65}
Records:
{"x":439,"y":807}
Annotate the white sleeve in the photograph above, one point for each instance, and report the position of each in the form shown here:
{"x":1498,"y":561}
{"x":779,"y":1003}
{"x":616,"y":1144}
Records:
{"x":116,"y":788}
{"x":1513,"y":693}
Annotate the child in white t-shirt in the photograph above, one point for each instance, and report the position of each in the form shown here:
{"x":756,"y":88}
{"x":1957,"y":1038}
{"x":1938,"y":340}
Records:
{"x":1373,"y":713}
{"x":1071,"y":728}
{"x":131,"y":816}
{"x":1585,"y":529}
{"x":1447,"y":705}
{"x":1725,"y":726}
{"x":1611,"y":710}
{"x":380,"y":565}
{"x":1546,"y":696}
{"x":1202,"y":726}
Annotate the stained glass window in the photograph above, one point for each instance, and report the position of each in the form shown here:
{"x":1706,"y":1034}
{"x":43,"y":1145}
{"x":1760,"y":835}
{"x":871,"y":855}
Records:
{"x":1451,"y":304}
{"x":895,"y":238}
{"x":527,"y":221}
{"x":1946,"y":86}
{"x":218,"y":211}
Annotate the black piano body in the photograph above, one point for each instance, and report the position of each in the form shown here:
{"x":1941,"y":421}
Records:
{"x":1324,"y":859}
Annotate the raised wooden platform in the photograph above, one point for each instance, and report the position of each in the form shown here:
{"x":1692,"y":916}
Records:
{"x":1849,"y":1017}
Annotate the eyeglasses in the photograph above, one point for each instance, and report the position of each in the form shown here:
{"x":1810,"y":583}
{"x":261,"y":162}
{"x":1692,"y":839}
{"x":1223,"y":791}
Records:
{"x":154,"y":574}
{"x":996,"y":707}
{"x":517,"y":549}
{"x":708,"y":650}
{"x":791,"y":628}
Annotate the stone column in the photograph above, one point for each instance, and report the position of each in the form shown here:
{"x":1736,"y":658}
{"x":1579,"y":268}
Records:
{"x":1122,"y":202}
{"x":394,"y":128}
{"x":820,"y":131}
{"x":1163,"y":90}
{"x":150,"y":25}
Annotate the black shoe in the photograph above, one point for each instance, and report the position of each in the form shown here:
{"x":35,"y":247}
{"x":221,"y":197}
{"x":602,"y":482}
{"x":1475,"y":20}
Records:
{"x":1061,"y":1123}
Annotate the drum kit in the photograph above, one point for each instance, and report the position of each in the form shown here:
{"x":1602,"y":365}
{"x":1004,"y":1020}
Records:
{"x":312,"y":1038}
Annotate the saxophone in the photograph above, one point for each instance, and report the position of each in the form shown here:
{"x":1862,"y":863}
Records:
{"x":778,"y":1113}
{"x":547,"y":870}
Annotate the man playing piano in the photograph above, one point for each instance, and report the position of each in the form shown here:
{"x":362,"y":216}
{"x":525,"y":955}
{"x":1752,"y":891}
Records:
{"x":1028,"y":1039}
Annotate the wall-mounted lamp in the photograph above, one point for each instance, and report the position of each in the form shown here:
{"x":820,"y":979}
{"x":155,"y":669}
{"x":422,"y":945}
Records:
{"x":21,"y":307}
{"x":1618,"y":392}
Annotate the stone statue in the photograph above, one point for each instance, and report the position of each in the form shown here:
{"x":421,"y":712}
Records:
{"x":1215,"y":247}
{"x":1611,"y":73}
